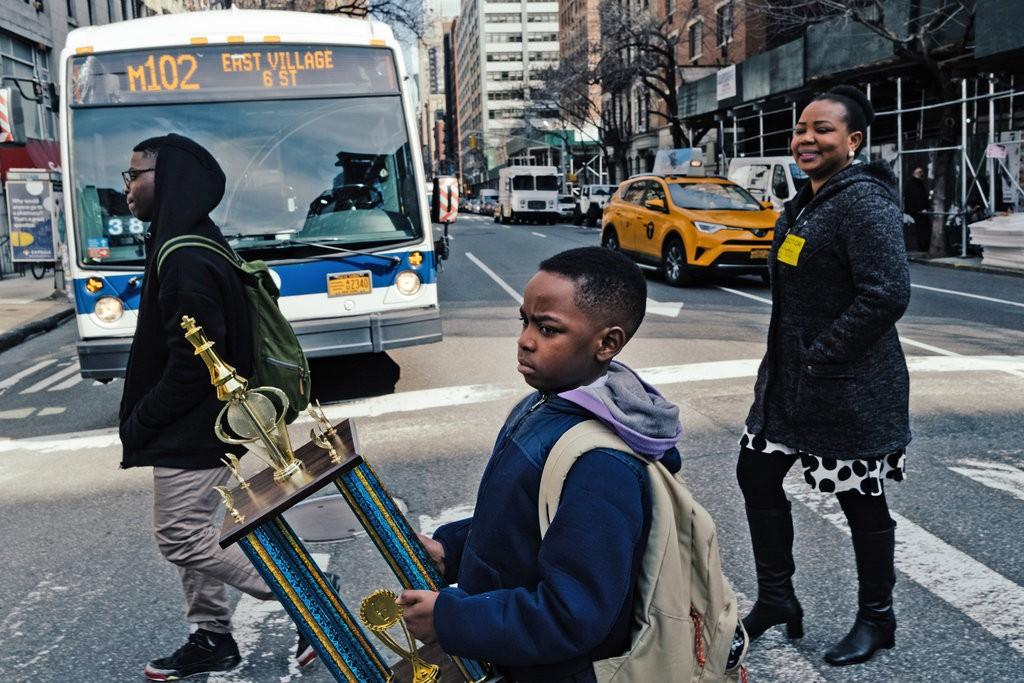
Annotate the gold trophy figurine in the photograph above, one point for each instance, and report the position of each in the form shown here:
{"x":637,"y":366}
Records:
{"x":379,"y":611}
{"x":229,"y":504}
{"x":322,"y":432}
{"x":230,"y":461}
{"x":253,"y":414}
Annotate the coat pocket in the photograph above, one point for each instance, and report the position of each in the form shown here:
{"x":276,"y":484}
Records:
{"x":829,"y":398}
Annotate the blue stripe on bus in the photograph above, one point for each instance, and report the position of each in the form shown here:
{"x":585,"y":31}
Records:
{"x":297,"y":279}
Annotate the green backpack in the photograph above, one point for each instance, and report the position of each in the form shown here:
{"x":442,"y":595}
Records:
{"x":278,"y":360}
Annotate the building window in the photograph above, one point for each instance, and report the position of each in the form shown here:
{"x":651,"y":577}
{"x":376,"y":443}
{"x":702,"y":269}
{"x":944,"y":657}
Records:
{"x":696,"y":32}
{"x":725,"y":23}
{"x":670,"y":8}
{"x":21,"y":60}
{"x":71,"y":10}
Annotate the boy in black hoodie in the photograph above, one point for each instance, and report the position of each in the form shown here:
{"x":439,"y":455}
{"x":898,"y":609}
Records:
{"x":169,"y":406}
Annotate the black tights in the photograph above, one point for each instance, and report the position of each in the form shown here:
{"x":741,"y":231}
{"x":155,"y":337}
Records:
{"x":760,"y":477}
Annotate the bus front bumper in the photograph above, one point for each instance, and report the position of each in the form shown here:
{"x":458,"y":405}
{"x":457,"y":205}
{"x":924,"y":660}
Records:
{"x":372,"y":333}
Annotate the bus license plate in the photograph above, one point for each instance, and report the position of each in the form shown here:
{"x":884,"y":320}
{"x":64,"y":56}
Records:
{"x":347,"y":284}
{"x":759,"y":253}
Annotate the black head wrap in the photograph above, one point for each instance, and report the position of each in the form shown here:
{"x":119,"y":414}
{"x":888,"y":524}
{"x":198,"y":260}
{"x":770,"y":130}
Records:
{"x":859,"y":112}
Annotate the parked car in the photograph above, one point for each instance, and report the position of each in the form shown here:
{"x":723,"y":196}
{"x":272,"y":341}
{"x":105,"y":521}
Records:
{"x":689,"y":225}
{"x":591,"y":202}
{"x":774,"y":179}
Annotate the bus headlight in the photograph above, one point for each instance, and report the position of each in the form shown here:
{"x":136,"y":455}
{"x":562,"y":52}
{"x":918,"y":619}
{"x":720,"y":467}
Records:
{"x":109,"y":309}
{"x":407,"y":282}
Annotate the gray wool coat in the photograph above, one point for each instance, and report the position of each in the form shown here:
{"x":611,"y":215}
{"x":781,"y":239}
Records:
{"x":834,"y":380}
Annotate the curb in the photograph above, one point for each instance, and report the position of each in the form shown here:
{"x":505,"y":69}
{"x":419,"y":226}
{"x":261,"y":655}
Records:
{"x":965,"y":266}
{"x":12,"y":338}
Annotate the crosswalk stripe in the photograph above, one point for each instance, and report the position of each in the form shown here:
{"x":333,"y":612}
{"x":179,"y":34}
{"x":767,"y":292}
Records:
{"x":995,"y":475}
{"x":52,"y":379}
{"x":985,"y":596}
{"x":17,"y":377}
{"x":250,"y":619}
{"x":67,"y":384}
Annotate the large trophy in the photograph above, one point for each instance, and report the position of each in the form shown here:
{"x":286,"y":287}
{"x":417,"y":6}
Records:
{"x":255,"y":521}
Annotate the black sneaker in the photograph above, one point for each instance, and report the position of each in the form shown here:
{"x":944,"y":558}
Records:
{"x":205,"y":651}
{"x":304,"y":652}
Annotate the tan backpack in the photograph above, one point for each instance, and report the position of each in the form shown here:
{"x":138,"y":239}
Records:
{"x":682,"y":596}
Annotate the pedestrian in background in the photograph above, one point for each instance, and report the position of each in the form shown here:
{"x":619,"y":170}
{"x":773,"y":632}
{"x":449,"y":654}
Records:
{"x":832,"y":391}
{"x":169,"y":407}
{"x":915,"y":204}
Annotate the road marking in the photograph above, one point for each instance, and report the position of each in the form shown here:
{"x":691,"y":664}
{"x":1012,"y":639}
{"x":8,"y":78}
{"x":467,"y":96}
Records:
{"x":668,"y":309}
{"x":538,"y":234}
{"x":772,"y":657}
{"x":494,"y":276}
{"x":253,"y":617}
{"x":16,"y":414}
{"x":428,"y":524}
{"x":67,"y":384}
{"x":969,"y":296}
{"x":987,"y":597}
{"x":748,"y":296}
{"x":424,"y":399}
{"x":995,"y":475}
{"x":17,"y":377}
{"x":55,"y":410}
{"x":905,"y":340}
{"x":52,"y":379}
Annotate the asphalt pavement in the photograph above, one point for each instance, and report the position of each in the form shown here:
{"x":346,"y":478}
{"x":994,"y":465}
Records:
{"x":85,"y":596}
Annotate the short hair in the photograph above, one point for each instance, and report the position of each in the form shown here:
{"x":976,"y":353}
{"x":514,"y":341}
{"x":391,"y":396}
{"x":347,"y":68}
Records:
{"x":150,"y":147}
{"x":859,"y":112}
{"x":609,"y":286}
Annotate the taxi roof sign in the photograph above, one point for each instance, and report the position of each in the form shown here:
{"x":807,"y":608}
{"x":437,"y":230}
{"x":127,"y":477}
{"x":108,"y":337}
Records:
{"x":683,"y":161}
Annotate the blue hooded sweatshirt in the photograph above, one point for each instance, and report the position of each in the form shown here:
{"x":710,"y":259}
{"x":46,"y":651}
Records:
{"x":544,"y":610}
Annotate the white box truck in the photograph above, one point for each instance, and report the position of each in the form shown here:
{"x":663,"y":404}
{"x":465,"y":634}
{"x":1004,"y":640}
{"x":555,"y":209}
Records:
{"x":528,"y":194}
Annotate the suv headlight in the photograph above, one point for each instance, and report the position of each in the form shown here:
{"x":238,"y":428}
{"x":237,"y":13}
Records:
{"x":709,"y":228}
{"x":109,"y":309}
{"x":407,"y":282}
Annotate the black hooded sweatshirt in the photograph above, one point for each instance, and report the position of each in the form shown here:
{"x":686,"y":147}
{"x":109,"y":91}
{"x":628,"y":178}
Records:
{"x":169,"y":406}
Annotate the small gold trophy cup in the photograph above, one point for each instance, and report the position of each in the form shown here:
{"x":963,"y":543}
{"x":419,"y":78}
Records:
{"x":251,"y":414}
{"x":379,"y":611}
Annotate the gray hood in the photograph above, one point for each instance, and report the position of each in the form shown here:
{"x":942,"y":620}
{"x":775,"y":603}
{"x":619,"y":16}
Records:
{"x":641,"y":416}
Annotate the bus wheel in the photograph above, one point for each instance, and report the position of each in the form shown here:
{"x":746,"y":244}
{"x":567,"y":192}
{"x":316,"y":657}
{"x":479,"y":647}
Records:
{"x":673,"y":264}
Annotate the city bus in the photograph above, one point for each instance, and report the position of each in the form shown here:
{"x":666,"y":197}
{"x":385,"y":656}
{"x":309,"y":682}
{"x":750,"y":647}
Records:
{"x":311,"y":119}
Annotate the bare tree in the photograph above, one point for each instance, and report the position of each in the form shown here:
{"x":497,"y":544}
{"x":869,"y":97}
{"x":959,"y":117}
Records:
{"x":402,"y":15}
{"x":641,"y":48}
{"x":931,"y":37}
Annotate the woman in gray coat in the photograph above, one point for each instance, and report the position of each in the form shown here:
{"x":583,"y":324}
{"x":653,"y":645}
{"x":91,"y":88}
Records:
{"x":832,"y":391}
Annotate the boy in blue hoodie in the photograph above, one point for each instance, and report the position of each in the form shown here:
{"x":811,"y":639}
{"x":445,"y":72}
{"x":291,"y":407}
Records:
{"x":545,"y":610}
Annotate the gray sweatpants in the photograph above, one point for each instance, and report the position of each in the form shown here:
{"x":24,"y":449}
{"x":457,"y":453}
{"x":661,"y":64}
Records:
{"x":184,"y":507}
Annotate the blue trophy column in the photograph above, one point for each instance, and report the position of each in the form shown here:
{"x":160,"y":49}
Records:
{"x":311,"y":602}
{"x":394,"y":537}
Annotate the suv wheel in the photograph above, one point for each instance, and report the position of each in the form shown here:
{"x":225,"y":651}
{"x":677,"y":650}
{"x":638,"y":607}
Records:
{"x":592,"y":214}
{"x":673,"y":264}
{"x":611,"y":239}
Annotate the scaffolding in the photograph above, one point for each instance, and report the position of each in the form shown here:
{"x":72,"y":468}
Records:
{"x":988,"y":165}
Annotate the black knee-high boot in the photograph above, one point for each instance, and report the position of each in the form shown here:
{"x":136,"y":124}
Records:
{"x":875,"y":626}
{"x":771,"y":534}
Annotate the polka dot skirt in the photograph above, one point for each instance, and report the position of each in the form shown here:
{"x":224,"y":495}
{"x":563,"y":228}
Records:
{"x":830,"y":475}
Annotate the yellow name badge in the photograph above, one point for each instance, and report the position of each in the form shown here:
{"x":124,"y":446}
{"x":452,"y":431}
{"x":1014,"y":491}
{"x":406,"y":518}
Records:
{"x":789,"y":252}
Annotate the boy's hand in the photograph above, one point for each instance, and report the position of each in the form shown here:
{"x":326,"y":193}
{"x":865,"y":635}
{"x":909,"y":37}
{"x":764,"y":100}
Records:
{"x":418,"y":612}
{"x":435,"y":550}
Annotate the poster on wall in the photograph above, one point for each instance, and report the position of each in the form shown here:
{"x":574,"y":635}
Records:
{"x":30,"y":211}
{"x":1011,"y":142}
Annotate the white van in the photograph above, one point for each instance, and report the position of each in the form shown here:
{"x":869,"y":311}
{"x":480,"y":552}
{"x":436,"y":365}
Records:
{"x":528,"y":194}
{"x":774,"y":179}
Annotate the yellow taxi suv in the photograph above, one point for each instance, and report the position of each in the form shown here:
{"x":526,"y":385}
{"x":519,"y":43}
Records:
{"x":689,"y":225}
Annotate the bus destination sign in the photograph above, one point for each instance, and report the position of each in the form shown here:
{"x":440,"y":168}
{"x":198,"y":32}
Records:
{"x":230,"y":72}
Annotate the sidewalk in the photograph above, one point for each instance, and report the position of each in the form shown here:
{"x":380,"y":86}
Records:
{"x":28,"y":307}
{"x":969,"y":263}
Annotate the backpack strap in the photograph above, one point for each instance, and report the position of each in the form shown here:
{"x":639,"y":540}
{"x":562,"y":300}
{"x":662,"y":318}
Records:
{"x":586,"y":436}
{"x":175,"y":243}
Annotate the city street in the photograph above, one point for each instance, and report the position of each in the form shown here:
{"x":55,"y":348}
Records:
{"x":86,"y":596}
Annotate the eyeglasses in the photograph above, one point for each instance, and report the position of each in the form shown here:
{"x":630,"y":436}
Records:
{"x":133,"y":174}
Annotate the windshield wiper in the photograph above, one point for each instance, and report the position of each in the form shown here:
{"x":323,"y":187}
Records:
{"x":330,"y":247}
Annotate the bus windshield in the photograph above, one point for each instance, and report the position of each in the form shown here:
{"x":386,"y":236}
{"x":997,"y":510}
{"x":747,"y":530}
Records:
{"x":332,"y":171}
